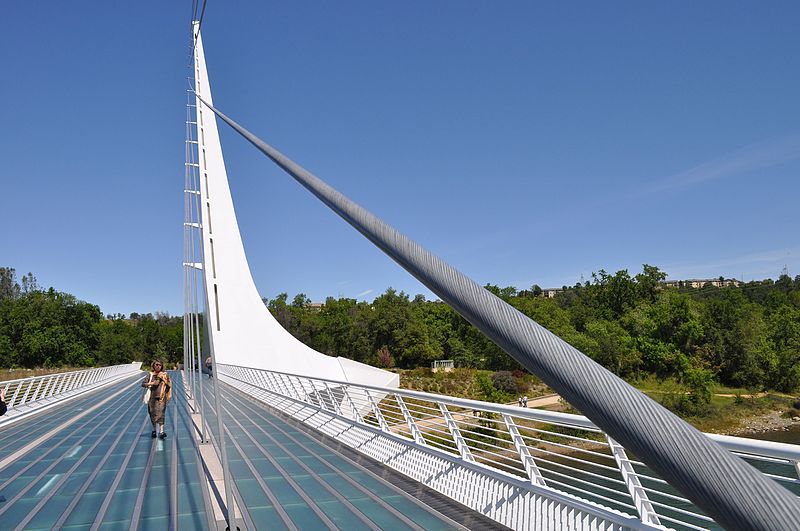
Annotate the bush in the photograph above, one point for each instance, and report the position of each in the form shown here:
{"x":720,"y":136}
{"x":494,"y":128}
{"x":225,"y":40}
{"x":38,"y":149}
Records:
{"x":385,"y":358}
{"x":505,"y":381}
{"x":487,"y":390}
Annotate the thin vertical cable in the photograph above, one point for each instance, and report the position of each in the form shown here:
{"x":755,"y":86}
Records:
{"x":197,"y":234}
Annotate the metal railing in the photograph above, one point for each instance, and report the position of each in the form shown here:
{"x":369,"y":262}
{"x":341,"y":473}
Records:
{"x":561,"y":451}
{"x":24,"y":394}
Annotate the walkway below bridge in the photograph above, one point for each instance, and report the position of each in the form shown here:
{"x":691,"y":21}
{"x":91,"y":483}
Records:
{"x":91,"y":464}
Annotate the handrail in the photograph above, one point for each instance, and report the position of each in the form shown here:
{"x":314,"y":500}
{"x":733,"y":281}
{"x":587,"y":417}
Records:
{"x":29,"y":392}
{"x":774,"y":449}
{"x":512,"y":440}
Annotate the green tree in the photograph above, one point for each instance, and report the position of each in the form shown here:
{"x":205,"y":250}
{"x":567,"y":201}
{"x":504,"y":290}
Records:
{"x":9,"y":288}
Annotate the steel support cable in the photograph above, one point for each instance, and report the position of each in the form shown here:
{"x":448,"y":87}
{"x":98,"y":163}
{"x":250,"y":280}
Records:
{"x":735,"y":494}
{"x":196,"y":31}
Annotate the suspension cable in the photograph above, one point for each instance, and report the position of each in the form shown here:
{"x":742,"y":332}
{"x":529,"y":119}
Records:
{"x":196,"y":32}
{"x":735,"y":494}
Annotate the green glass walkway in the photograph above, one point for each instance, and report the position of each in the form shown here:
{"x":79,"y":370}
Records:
{"x":91,"y":464}
{"x":288,"y":476}
{"x":103,"y":470}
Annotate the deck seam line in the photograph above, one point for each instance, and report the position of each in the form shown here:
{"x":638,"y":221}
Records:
{"x":42,"y":474}
{"x":353,"y":509}
{"x":32,"y":514}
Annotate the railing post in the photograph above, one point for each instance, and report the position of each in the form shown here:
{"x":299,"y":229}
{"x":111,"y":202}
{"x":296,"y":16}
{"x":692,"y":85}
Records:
{"x":38,"y":387}
{"x":333,"y":400}
{"x":534,"y":474}
{"x":27,"y":392}
{"x":16,"y":393}
{"x":412,"y":425}
{"x":297,"y":393}
{"x":269,"y":378}
{"x":356,"y":415}
{"x":70,"y":384}
{"x":287,"y":383}
{"x":647,"y":513}
{"x":260,"y":380}
{"x":62,"y":381}
{"x":268,"y":382}
{"x":316,"y":393}
{"x":461,"y":443}
{"x":284,"y":388}
{"x":378,"y":415}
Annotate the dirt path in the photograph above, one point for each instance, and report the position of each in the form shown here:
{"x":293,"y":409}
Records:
{"x":541,"y":401}
{"x":439,"y":422}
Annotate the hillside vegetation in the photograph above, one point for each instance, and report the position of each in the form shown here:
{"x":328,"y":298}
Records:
{"x":744,"y":337}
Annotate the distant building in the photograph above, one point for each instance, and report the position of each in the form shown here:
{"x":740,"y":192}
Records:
{"x":443,"y":365}
{"x":700,"y":282}
{"x":314,"y":306}
{"x":549,"y":293}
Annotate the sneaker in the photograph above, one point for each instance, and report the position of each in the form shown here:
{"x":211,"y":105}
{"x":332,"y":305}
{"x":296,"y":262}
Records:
{"x":153,"y":434}
{"x":163,"y":435}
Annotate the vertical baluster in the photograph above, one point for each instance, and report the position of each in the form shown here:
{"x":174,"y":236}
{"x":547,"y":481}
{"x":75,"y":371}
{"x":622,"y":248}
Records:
{"x":534,"y":474}
{"x":333,"y":399}
{"x":298,"y":394}
{"x":27,"y":392}
{"x":376,"y":411}
{"x":647,"y":513}
{"x":356,"y":415}
{"x":38,"y":388}
{"x":280,"y":385}
{"x":455,"y":433}
{"x":320,"y":402}
{"x":16,"y":393}
{"x":48,"y":388}
{"x":412,"y":425}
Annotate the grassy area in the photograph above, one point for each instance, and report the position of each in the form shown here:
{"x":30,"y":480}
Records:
{"x":500,"y":387}
{"x":14,"y":374}
{"x":730,"y":410}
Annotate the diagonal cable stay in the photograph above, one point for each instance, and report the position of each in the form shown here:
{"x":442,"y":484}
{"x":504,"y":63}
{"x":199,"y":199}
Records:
{"x":736,"y":495}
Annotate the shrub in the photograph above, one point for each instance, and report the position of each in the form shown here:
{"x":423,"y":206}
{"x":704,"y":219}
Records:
{"x":505,"y":381}
{"x":385,"y":358}
{"x":487,"y":390}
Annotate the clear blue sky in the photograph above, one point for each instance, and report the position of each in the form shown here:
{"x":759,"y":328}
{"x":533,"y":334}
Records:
{"x":522,"y":142}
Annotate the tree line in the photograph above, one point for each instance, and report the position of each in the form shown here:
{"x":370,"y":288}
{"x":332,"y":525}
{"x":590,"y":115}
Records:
{"x":48,"y":328}
{"x":747,"y":336}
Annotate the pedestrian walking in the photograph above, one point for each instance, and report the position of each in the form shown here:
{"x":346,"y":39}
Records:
{"x":519,"y":401}
{"x":208,"y":367}
{"x":157,"y":395}
{"x":3,"y":406}
{"x":525,"y":401}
